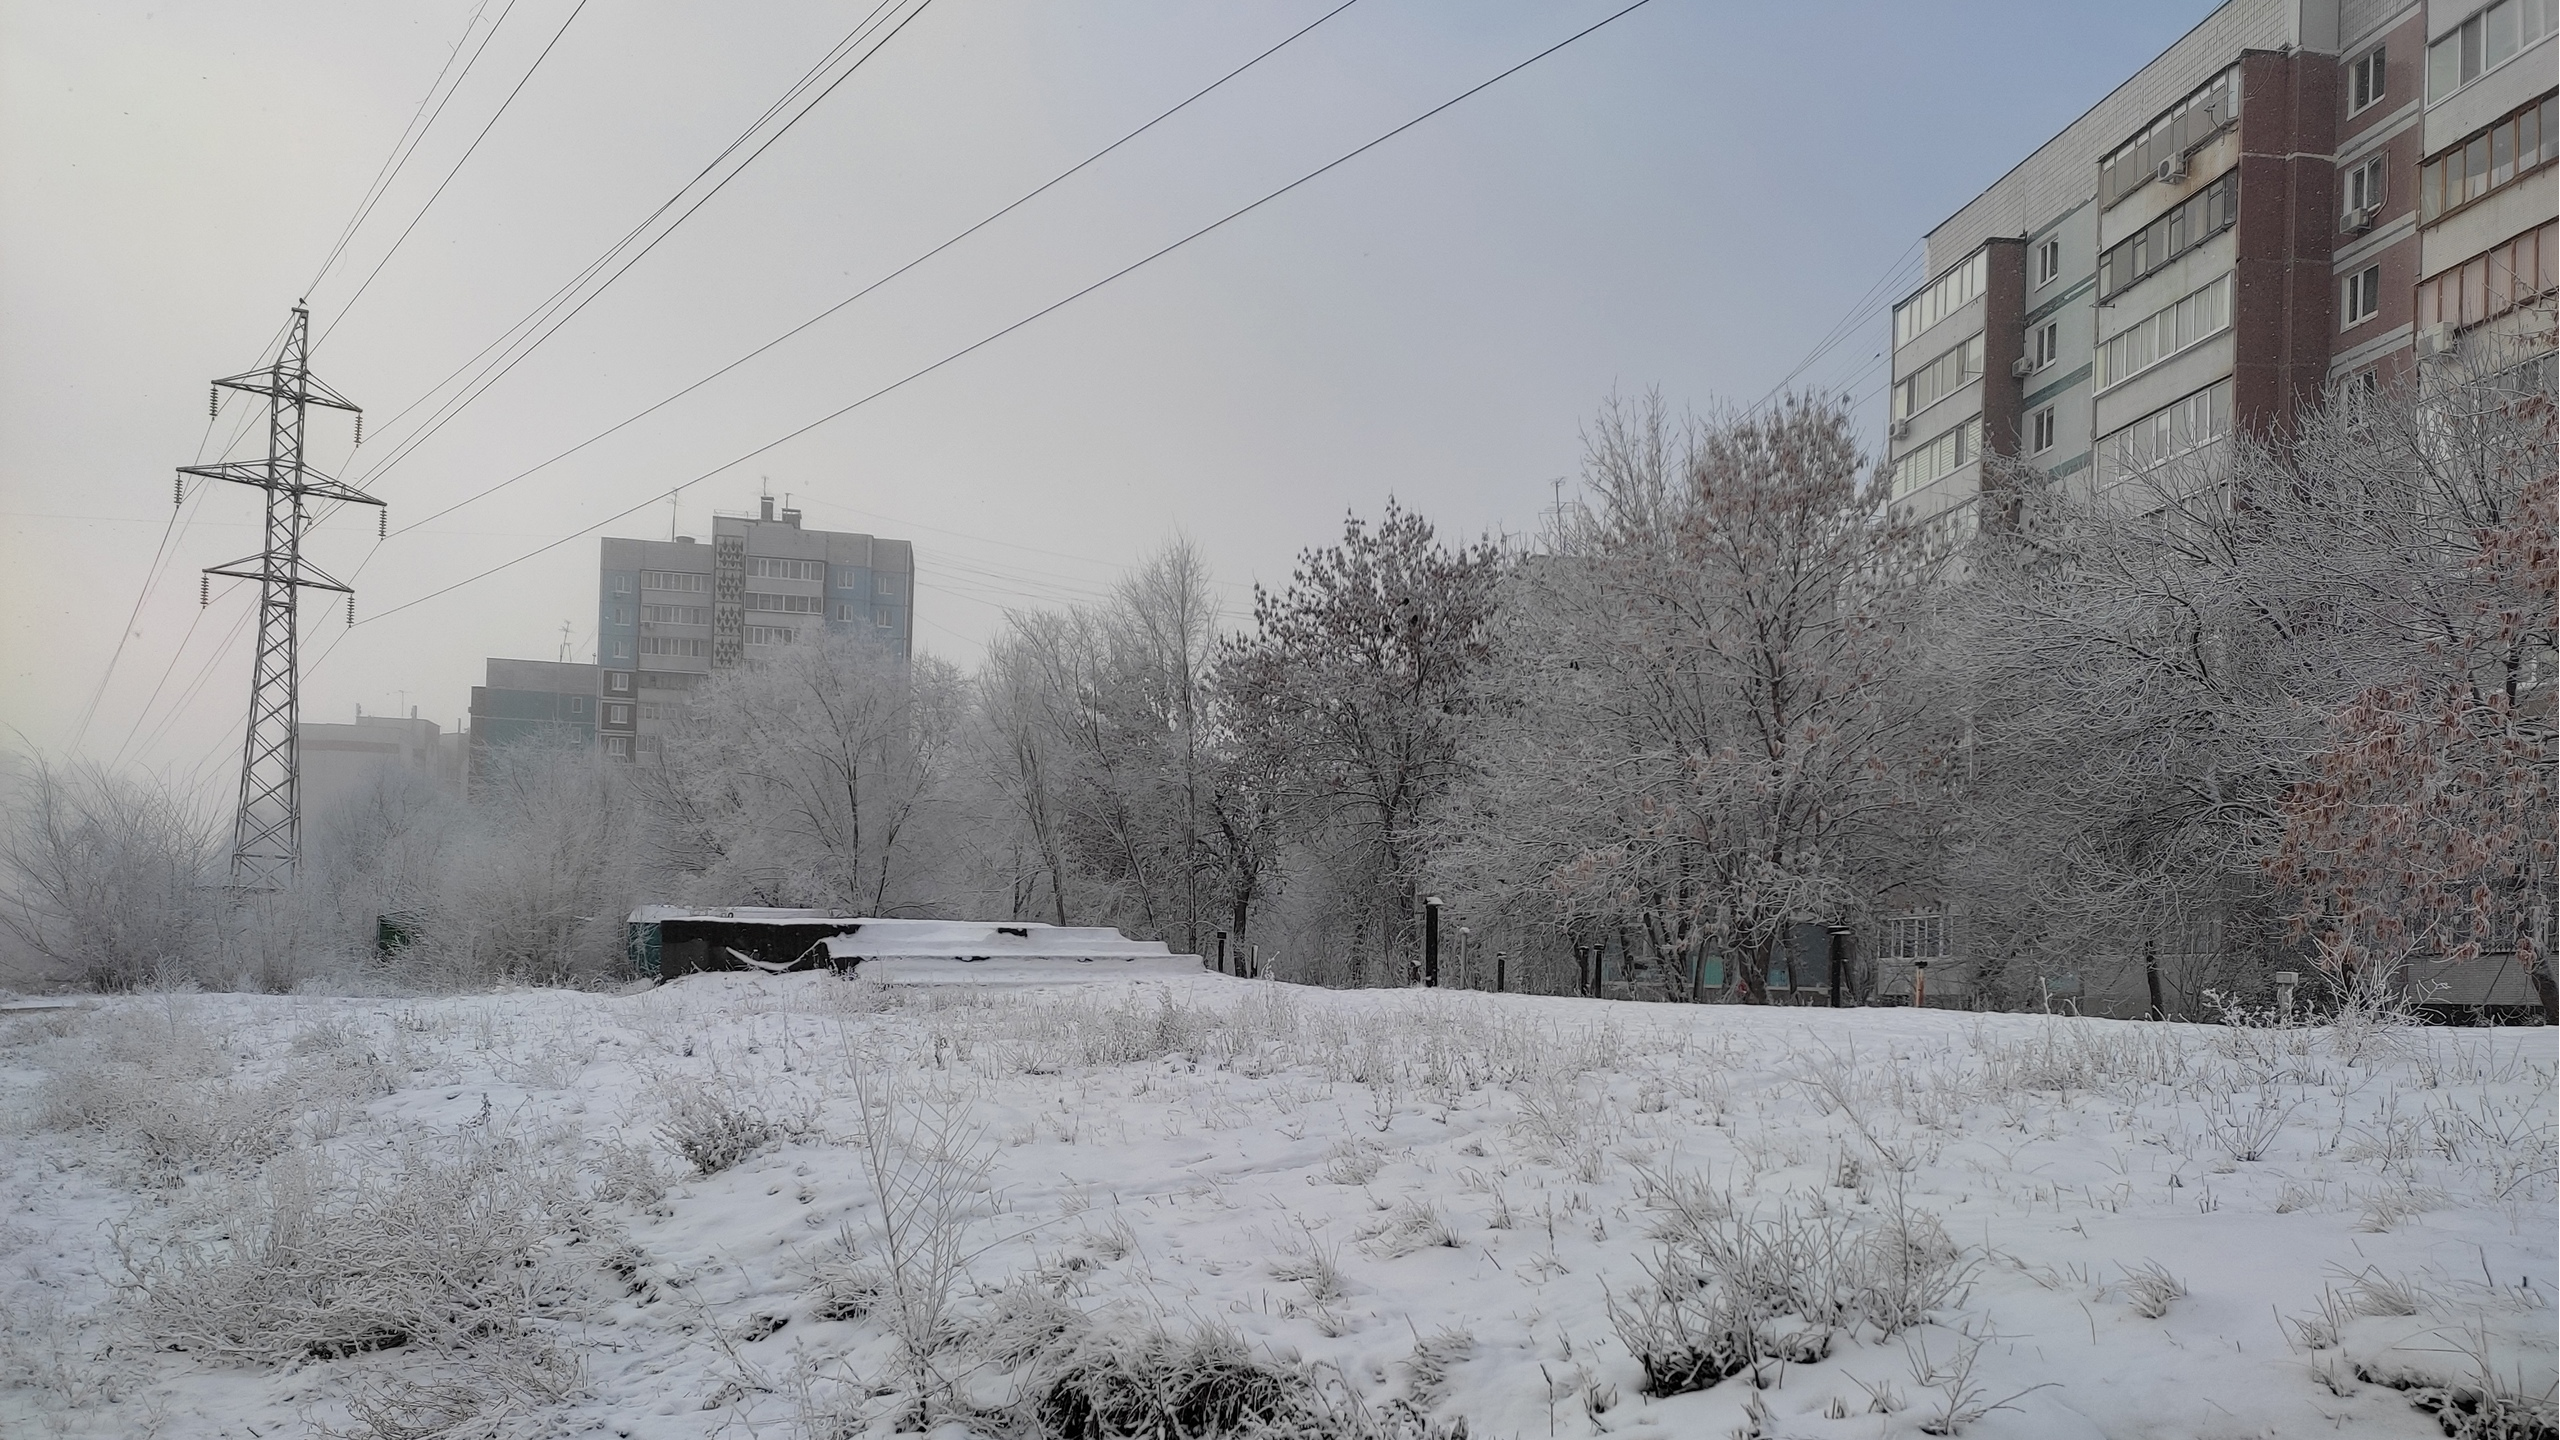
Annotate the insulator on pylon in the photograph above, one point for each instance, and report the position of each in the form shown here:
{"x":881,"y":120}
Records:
{"x":351,"y":609}
{"x":213,"y":404}
{"x":180,"y":498}
{"x":204,"y":590}
{"x":382,"y":523}
{"x":359,"y":427}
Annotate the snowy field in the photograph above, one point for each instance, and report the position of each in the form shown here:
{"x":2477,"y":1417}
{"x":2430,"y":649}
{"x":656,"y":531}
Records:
{"x":805,"y":1206}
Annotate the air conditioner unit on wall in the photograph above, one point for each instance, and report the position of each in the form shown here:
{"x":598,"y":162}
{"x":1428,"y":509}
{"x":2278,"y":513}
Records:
{"x":2172,"y":170}
{"x":2021,"y":368}
{"x":1901,"y":429}
{"x":2359,"y":221}
{"x":2436,"y":339}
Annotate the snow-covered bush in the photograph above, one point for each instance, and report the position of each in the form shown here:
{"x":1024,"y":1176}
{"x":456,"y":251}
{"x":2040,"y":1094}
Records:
{"x":1732,"y":1288}
{"x":457,"y":1249}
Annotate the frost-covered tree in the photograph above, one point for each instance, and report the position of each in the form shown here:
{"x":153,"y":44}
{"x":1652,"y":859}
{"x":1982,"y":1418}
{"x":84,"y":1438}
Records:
{"x":1349,"y":703}
{"x":2151,"y":670}
{"x":1698,"y":719}
{"x":106,"y":876}
{"x":2426,"y":829}
{"x":815,"y":777}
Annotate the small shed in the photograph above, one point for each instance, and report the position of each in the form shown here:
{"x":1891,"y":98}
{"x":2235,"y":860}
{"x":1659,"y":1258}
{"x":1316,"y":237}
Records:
{"x":672,"y":940}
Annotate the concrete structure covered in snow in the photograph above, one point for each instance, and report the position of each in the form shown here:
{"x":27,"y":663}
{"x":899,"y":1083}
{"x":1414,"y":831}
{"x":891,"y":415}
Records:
{"x":670,"y":941}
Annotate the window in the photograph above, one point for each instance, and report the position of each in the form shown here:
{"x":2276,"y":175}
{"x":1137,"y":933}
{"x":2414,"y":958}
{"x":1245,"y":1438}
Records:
{"x":617,"y":714}
{"x":2507,"y":277}
{"x":1948,"y":452}
{"x":2363,"y":297}
{"x":2048,"y":262}
{"x":578,"y":705}
{"x":2170,"y":330}
{"x":620,"y":684}
{"x":787,"y":604}
{"x":884,"y":616}
{"x":1938,"y":379}
{"x":620,"y":649}
{"x":2364,"y":80}
{"x":618,"y":746}
{"x":1915,"y":937}
{"x":2048,"y":344}
{"x":2175,"y":429}
{"x":2518,"y":145}
{"x":888,"y":585}
{"x":618,"y":614}
{"x":2486,"y":41}
{"x":2193,"y":121}
{"x":770,"y":634}
{"x":1939,"y":299}
{"x":670,"y":645}
{"x":674,"y":580}
{"x":2040,"y":431}
{"x":2364,"y":188}
{"x":2197,"y":220}
{"x":676,"y":614}
{"x":621,"y":584}
{"x":765,"y":567}
{"x":648,"y":710}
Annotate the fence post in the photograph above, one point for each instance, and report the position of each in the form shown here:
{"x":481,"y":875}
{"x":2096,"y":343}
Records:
{"x":1501,"y":979}
{"x":1223,"y":967}
{"x":1919,"y":984}
{"x":1431,"y":941}
{"x":1839,"y":959}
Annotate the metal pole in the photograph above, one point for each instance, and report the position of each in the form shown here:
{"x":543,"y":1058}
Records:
{"x":1431,"y":941}
{"x":1919,"y":984}
{"x":1839,"y":961}
{"x":1501,"y":972}
{"x":1222,"y":954}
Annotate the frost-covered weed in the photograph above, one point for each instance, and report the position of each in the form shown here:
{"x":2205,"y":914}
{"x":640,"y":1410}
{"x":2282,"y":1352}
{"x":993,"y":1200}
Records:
{"x":1732,"y":1287}
{"x":714,"y":1127}
{"x":458,"y":1247}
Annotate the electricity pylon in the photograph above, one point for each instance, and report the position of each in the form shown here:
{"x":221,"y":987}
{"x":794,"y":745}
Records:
{"x":266,"y":836}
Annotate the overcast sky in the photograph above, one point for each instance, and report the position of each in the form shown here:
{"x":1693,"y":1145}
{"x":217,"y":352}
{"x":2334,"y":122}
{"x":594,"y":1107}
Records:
{"x":1687,"y":199}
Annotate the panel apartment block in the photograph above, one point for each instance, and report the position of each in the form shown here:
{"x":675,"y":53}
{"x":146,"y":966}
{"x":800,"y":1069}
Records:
{"x":670,"y":612}
{"x":2297,"y":196}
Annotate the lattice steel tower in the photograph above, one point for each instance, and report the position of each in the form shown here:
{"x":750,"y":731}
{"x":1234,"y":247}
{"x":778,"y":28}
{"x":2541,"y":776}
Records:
{"x":266,"y":837}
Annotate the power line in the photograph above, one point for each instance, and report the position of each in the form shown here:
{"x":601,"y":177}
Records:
{"x":518,"y":342}
{"x":467,"y":153}
{"x":1846,"y":325}
{"x":406,"y":146}
{"x":1016,"y":204}
{"x":1050,"y":309}
{"x":179,"y":518}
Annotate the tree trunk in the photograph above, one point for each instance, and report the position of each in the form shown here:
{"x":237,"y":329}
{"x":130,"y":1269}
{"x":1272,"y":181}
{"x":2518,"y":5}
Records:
{"x":2151,"y":976}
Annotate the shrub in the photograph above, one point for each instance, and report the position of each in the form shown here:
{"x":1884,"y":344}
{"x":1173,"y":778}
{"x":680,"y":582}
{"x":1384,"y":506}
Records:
{"x":454,"y":1250}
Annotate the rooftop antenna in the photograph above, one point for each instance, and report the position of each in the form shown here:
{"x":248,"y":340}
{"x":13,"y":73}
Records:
{"x":564,"y":642}
{"x":674,"y":521}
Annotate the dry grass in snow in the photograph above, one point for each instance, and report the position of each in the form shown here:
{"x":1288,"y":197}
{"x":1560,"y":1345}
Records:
{"x":813,"y":1207}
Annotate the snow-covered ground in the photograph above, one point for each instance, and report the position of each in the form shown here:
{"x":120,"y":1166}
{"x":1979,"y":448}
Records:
{"x":1161,"y":1202}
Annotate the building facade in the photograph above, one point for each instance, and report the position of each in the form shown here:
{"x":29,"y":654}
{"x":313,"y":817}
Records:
{"x":342,"y":764}
{"x":670,"y":612}
{"x":549,"y":702}
{"x":2297,"y":195}
{"x":2297,"y":198}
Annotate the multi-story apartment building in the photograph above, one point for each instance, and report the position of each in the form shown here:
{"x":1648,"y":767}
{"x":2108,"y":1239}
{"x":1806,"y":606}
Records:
{"x":2296,"y":195}
{"x":670,"y":612}
{"x":551,"y":702}
{"x":341,"y":763}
